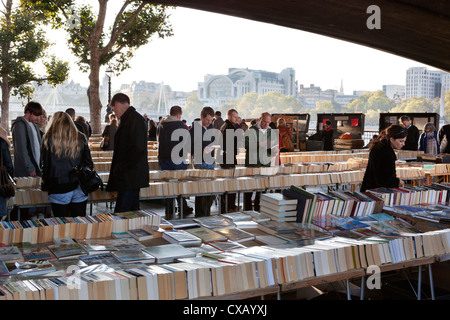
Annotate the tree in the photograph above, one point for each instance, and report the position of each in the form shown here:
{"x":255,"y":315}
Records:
{"x":193,"y":108}
{"x":415,"y":104}
{"x":376,"y":100}
{"x":95,"y":45}
{"x":22,"y":45}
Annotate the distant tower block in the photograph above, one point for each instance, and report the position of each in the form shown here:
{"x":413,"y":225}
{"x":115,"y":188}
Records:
{"x":341,"y":90}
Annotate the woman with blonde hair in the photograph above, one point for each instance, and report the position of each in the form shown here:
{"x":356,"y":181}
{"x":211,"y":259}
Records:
{"x":63,"y":148}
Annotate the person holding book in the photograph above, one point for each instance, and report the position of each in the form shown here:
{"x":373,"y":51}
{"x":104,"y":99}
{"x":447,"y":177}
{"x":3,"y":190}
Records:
{"x":164,"y":133}
{"x":227,"y":154}
{"x":7,"y":163}
{"x":203,"y":155}
{"x":64,"y":147}
{"x":129,"y":166}
{"x":260,"y":148}
{"x":381,"y":171}
{"x":428,"y":141}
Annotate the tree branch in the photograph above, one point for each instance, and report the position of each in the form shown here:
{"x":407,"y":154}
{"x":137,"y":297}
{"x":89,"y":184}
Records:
{"x":116,"y":32}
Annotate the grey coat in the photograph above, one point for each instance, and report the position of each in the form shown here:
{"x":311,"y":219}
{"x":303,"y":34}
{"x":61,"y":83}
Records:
{"x":24,"y":161}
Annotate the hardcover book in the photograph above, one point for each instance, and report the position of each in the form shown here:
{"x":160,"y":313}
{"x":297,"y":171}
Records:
{"x":67,"y":250}
{"x":133,"y":256}
{"x":167,"y":253}
{"x":10,"y":254}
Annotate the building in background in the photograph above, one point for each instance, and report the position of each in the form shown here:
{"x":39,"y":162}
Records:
{"x":421,"y":82}
{"x":216,"y":90}
{"x":395,"y":92}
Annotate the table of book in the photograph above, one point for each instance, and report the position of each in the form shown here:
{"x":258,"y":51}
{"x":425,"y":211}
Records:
{"x":282,"y":286}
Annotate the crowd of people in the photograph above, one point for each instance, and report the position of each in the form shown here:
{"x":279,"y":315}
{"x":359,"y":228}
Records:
{"x":51,"y":147}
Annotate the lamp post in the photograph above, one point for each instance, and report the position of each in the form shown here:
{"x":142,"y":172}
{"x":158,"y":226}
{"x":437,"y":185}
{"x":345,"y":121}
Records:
{"x":109,"y":72}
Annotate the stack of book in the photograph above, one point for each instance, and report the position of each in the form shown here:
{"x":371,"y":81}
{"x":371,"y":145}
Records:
{"x":278,"y":207}
{"x":181,"y":237}
{"x":167,"y":253}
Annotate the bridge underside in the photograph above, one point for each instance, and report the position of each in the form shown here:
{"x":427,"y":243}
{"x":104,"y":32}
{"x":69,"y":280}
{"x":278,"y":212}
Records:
{"x":414,"y":29}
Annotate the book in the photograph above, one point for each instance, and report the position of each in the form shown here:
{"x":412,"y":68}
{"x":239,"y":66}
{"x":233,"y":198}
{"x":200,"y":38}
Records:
{"x":278,"y":199}
{"x":273,"y":227}
{"x":97,"y":246}
{"x":102,"y":258}
{"x":167,"y":253}
{"x":35,"y":268}
{"x":183,"y":223}
{"x":181,"y":237}
{"x":33,"y":254}
{"x":350,"y":224}
{"x":236,"y":234}
{"x":63,"y":240}
{"x":140,"y":234}
{"x":214,"y":221}
{"x":207,"y":235}
{"x":133,"y":256}
{"x":237,"y":216}
{"x":67,"y":250}
{"x":226,"y":245}
{"x":10,"y":254}
{"x":270,"y":239}
{"x":4,"y":271}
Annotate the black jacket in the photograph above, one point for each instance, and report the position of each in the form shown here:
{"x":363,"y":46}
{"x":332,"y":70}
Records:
{"x":164,"y":134}
{"x":129,"y":166}
{"x":380,"y":171}
{"x":228,"y":125}
{"x":444,"y":131}
{"x":412,"y":139}
{"x":58,"y":175}
{"x":327,"y":137}
{"x":203,"y":142}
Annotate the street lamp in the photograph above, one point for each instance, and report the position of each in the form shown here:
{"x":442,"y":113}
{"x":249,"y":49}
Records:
{"x":109,"y":72}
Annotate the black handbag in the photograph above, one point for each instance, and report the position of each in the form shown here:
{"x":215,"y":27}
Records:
{"x":7,"y":184}
{"x":88,"y":178}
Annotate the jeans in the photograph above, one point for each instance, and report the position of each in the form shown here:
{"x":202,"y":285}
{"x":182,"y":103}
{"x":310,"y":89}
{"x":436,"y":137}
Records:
{"x":3,"y":206}
{"x":127,"y":200}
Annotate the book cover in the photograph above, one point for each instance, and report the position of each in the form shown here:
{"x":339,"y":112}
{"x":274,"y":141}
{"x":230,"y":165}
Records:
{"x":10,"y":254}
{"x":236,"y":235}
{"x":103,"y":258}
{"x":133,"y":255}
{"x":34,"y":254}
{"x":169,"y":252}
{"x":214,"y":221}
{"x":4,"y":271}
{"x":272,"y":227}
{"x":350,"y":224}
{"x":207,"y":235}
{"x":140,"y":234}
{"x":183,"y":223}
{"x":67,"y":250}
{"x":181,"y":237}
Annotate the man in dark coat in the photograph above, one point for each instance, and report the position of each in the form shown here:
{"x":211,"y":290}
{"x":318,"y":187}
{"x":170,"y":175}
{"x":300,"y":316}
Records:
{"x":164,"y":132}
{"x":412,"y":140}
{"x":227,"y":159}
{"x":444,"y":132}
{"x":129,"y":168}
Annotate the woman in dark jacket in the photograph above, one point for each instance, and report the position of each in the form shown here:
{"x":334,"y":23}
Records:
{"x":7,"y":162}
{"x":63,"y":148}
{"x":108,"y":134}
{"x":380,"y":171}
{"x":327,"y":136}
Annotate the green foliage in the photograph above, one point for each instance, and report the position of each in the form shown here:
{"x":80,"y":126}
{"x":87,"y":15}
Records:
{"x":376,"y":100}
{"x":193,"y":108}
{"x":416,"y":104}
{"x":22,"y":45}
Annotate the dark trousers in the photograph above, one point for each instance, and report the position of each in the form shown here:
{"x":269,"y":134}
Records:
{"x":203,"y":205}
{"x":69,"y":210}
{"x":248,"y":201}
{"x":127,"y":200}
{"x":167,"y":164}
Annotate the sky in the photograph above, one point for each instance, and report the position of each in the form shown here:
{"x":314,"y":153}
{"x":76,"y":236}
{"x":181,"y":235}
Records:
{"x":208,"y":43}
